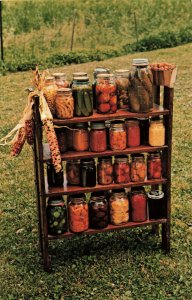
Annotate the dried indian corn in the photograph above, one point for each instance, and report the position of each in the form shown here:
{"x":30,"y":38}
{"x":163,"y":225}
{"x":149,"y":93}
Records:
{"x":29,"y":131}
{"x":17,"y":145}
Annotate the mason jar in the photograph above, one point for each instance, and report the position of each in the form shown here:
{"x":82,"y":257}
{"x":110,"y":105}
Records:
{"x":133,"y":133}
{"x":121,"y":169}
{"x":119,"y":207}
{"x":56,"y":216}
{"x":98,"y":137}
{"x":88,"y":172}
{"x":97,"y":71}
{"x":81,"y":137}
{"x":61,"y":80}
{"x":98,"y":211}
{"x":156,"y":205}
{"x":64,"y":104}
{"x":105,"y":170}
{"x":78,"y":215}
{"x":138,"y":204}
{"x":50,"y":93}
{"x":73,"y":172}
{"x":117,"y":136}
{"x":61,"y":134}
{"x":154,"y":165}
{"x":122,"y":85}
{"x":138,"y":168}
{"x":54,"y":179}
{"x":156,"y":133}
{"x":144,"y":130}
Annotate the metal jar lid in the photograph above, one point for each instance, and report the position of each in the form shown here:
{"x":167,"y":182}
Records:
{"x":64,"y":91}
{"x":59,"y":75}
{"x":140,"y":62}
{"x":56,"y":201}
{"x":81,"y":126}
{"x":80,"y":74}
{"x":121,"y":158}
{"x":98,"y":125}
{"x":155,"y":194}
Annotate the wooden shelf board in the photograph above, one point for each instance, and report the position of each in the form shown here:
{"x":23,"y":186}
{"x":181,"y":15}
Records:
{"x":108,"y":228}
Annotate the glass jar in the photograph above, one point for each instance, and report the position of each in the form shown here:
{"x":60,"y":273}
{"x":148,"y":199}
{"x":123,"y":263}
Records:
{"x":154,"y":166}
{"x":144,"y":130}
{"x":105,"y":170}
{"x":64,"y":104}
{"x":133,"y":133}
{"x":122,"y":85}
{"x":98,"y":211}
{"x":61,"y":134}
{"x":79,"y":196}
{"x":69,"y":133}
{"x":81,"y":137}
{"x":54,"y":179}
{"x":138,"y":204}
{"x":61,"y":81}
{"x":121,"y":169}
{"x":73,"y":172}
{"x":117,"y":136}
{"x":106,"y":99}
{"x":98,"y":137}
{"x":88,"y":172}
{"x":50,"y":93}
{"x":83,"y":97}
{"x":119,"y":207}
{"x":157,"y":133}
{"x":138,"y":168}
{"x":56,"y":216}
{"x":141,"y":86}
{"x":97,"y":71}
{"x":156,"y":204}
{"x":78,"y":215}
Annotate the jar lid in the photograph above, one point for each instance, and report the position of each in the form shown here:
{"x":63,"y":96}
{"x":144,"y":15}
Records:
{"x":118,"y":191}
{"x":73,"y":161}
{"x":155,"y":154}
{"x":81,"y":78}
{"x":59,"y":75}
{"x":87,"y":161}
{"x":81,"y":126}
{"x":47,"y":78}
{"x":105,"y":158}
{"x":79,"y":74}
{"x":139,"y":155}
{"x":155,"y":194}
{"x":100,"y":70}
{"x":137,"y":189}
{"x":130,"y":122}
{"x":121,"y":158}
{"x":64,"y":91}
{"x":98,"y":125}
{"x":105,"y":75}
{"x":140,"y":62}
{"x":122,"y":72}
{"x":117,"y":124}
{"x":56,"y":201}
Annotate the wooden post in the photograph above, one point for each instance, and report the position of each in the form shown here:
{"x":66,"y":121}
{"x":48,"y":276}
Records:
{"x":73,"y":30}
{"x":1,"y":31}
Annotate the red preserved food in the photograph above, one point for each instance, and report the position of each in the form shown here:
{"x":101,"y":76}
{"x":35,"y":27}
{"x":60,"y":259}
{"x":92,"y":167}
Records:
{"x":138,"y":168}
{"x":117,"y":136}
{"x":154,"y":166}
{"x":138,"y":205}
{"x":105,"y":171}
{"x":133,"y":133}
{"x":98,"y":137}
{"x":78,"y":215}
{"x":121,"y":169}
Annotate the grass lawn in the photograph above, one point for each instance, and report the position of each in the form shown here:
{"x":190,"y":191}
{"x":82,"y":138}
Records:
{"x":125,"y":265}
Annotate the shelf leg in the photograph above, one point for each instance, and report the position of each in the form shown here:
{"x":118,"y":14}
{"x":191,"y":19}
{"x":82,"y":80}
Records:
{"x":166,"y":237}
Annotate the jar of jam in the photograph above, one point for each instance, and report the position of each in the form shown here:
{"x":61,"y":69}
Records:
{"x":61,"y":134}
{"x":156,"y":204}
{"x":144,"y":130}
{"x":138,"y":204}
{"x":61,"y":81}
{"x":106,"y":99}
{"x":98,"y":211}
{"x":88,"y":172}
{"x":81,"y":137}
{"x":121,"y":169}
{"x":138,"y":168}
{"x":156,"y":133}
{"x":119,"y":207}
{"x":133,"y":133}
{"x":98,"y":137}
{"x":117,"y":136}
{"x":141,"y":86}
{"x":122,"y":85}
{"x":154,"y":166}
{"x":54,"y":179}
{"x":105,"y":170}
{"x":64,"y":104}
{"x":73,"y":172}
{"x":97,"y":71}
{"x":56,"y":216}
{"x":78,"y":215}
{"x":50,"y":93}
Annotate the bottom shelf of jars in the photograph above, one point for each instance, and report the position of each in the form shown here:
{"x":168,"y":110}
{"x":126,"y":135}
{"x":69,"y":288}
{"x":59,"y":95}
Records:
{"x":110,"y":227}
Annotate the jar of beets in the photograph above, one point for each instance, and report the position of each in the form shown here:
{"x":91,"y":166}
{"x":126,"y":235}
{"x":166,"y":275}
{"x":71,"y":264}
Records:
{"x":98,"y":211}
{"x":98,"y":137}
{"x":105,"y":170}
{"x":154,"y":165}
{"x":138,"y":204}
{"x":133,"y":133}
{"x":121,"y":169}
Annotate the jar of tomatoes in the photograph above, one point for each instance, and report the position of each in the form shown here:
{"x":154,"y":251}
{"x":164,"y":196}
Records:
{"x":105,"y":170}
{"x":106,"y":99}
{"x":81,"y":137}
{"x":73,"y":172}
{"x":97,"y":71}
{"x":98,"y":211}
{"x":154,"y":165}
{"x":117,"y":136}
{"x":88,"y":172}
{"x":61,"y":134}
{"x":54,"y":179}
{"x":61,"y":80}
{"x":121,"y":169}
{"x":133,"y":133}
{"x":138,"y":204}
{"x":122,"y":85}
{"x":50,"y":93}
{"x":156,"y":204}
{"x":98,"y":137}
{"x":156,"y":132}
{"x":78,"y":215}
{"x":119,"y":207}
{"x":138,"y":167}
{"x":64,"y":104}
{"x":56,"y":216}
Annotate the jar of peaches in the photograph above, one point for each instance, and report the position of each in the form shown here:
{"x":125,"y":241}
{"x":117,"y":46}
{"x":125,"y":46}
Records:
{"x":154,"y":166}
{"x":119,"y":207}
{"x":121,"y":169}
{"x":81,"y":137}
{"x":78,"y":214}
{"x":105,"y":170}
{"x":156,"y":132}
{"x":138,"y":168}
{"x":117,"y":136}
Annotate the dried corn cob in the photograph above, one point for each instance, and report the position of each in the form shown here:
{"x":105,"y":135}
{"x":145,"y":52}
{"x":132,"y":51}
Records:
{"x":29,"y":131}
{"x":17,"y":145}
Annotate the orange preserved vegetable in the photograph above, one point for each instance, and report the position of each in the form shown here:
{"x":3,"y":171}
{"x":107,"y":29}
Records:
{"x":117,"y":136}
{"x":138,"y":168}
{"x":78,"y":215}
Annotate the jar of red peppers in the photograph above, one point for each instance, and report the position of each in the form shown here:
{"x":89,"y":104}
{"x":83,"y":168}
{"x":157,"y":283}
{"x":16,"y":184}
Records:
{"x":154,"y":166}
{"x":133,"y":133}
{"x":73,"y":172}
{"x":105,"y":170}
{"x":138,"y":168}
{"x":122,"y":85}
{"x":138,"y":204}
{"x":78,"y":215}
{"x":61,"y":134}
{"x":117,"y":136}
{"x":121,"y":169}
{"x":60,"y":80}
{"x":119,"y":207}
{"x":81,"y":137}
{"x":98,"y":211}
{"x":98,"y":137}
{"x":106,"y":99}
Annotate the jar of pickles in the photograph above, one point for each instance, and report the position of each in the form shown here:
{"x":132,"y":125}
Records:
{"x":122,"y":85}
{"x":50,"y":93}
{"x":138,"y":204}
{"x":81,"y":137}
{"x":121,"y":169}
{"x":61,"y":134}
{"x":54,"y":179}
{"x":61,"y":81}
{"x":106,"y":99}
{"x":98,"y":70}
{"x":88,"y":172}
{"x":78,"y":214}
{"x":138,"y":167}
{"x":64,"y":104}
{"x":98,"y":137}
{"x":154,"y":166}
{"x":117,"y":136}
{"x":73,"y":172}
{"x":105,"y":170}
{"x":156,"y":204}
{"x":56,"y":216}
{"x":119,"y":207}
{"x":98,"y":211}
{"x":156,"y":133}
{"x":133,"y":133}
{"x":141,"y":86}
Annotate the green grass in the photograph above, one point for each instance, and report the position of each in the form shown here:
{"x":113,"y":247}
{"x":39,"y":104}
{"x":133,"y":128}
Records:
{"x":124,"y":265}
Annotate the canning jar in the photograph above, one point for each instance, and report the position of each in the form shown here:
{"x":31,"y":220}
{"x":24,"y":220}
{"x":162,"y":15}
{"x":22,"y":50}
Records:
{"x":83,"y":96}
{"x":106,"y":99}
{"x":78,"y":215}
{"x":50,"y":93}
{"x":133,"y":133}
{"x":141,"y":86}
{"x":79,"y":196}
{"x":105,"y":170}
{"x":97,"y":71}
{"x":138,"y":204}
{"x":61,"y":81}
{"x":64,"y":104}
{"x":157,"y":133}
{"x":98,"y":137}
{"x":69,"y":136}
{"x":88,"y":172}
{"x":119,"y":207}
{"x":98,"y":211}
{"x":121,"y":169}
{"x":122,"y":85}
{"x":81,"y":137}
{"x":138,"y":168}
{"x":56,"y":216}
{"x":73,"y":172}
{"x":144,"y":130}
{"x":54,"y":179}
{"x":154,"y":166}
{"x":156,"y":204}
{"x":117,"y":136}
{"x":61,"y":134}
